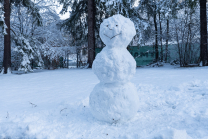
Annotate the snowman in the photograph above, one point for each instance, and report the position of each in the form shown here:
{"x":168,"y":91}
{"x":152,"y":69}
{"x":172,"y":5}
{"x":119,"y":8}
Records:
{"x":115,"y":98}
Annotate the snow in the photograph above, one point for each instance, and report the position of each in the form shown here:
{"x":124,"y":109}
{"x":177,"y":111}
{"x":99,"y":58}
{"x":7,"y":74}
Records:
{"x":114,"y":65}
{"x":115,"y":98}
{"x":114,"y":103}
{"x":173,"y":105}
{"x":117,"y":31}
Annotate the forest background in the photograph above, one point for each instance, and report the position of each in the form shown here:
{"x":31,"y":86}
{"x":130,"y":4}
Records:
{"x":34,"y":36}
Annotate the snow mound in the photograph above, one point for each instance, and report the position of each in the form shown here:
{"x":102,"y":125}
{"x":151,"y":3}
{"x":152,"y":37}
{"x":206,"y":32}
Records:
{"x":114,"y":102}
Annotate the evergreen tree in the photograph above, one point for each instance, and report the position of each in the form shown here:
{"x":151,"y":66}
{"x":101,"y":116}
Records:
{"x":78,"y":26}
{"x":82,"y":21}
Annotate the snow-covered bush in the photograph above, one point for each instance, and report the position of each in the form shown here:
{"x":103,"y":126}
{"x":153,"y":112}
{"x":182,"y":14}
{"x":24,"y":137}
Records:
{"x":37,"y":42}
{"x":28,"y":53}
{"x":51,"y":55}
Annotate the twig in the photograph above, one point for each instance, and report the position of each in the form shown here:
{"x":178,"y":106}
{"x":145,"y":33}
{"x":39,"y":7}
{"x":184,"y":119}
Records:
{"x":33,"y":105}
{"x":63,"y":109}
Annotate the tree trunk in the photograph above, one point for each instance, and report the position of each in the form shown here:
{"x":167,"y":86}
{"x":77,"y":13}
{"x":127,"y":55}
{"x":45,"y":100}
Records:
{"x":167,"y":37}
{"x":91,"y":32}
{"x":77,"y":58}
{"x":7,"y":41}
{"x":156,"y":39}
{"x":203,"y":28}
{"x":161,"y":53}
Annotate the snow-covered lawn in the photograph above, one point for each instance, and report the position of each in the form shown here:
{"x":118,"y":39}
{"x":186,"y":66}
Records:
{"x":54,"y":104}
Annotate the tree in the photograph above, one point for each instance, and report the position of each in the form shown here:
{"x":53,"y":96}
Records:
{"x":34,"y":43}
{"x":128,"y":9}
{"x":7,"y":41}
{"x":83,"y":23}
{"x":91,"y":32}
{"x":185,"y":30}
{"x":167,"y":10}
{"x":203,"y":32}
{"x":32,"y":10}
{"x":150,"y":9}
{"x":28,"y":54}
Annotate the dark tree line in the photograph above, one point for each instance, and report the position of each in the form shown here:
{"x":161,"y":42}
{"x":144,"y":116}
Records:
{"x":86,"y":16}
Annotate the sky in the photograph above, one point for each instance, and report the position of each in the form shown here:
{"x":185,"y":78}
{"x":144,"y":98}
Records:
{"x":64,"y":16}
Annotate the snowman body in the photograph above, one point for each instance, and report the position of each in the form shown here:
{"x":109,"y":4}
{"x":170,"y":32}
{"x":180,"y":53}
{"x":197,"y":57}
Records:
{"x":115,"y":98}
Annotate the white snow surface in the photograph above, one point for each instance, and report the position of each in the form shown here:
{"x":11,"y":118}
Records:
{"x":173,"y":104}
{"x":115,"y":98}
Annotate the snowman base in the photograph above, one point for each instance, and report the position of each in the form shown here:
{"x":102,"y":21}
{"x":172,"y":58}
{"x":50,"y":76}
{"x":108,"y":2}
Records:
{"x":112,"y":102}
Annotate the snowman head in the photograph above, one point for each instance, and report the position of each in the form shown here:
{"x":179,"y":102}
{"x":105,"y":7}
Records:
{"x":117,"y":31}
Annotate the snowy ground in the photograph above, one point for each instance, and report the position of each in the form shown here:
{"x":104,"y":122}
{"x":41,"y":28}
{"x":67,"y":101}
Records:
{"x":54,"y":104}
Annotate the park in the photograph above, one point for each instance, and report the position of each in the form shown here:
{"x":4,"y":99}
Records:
{"x":110,"y":70}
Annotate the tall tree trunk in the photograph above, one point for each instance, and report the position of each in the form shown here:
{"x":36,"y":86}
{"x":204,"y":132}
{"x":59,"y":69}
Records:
{"x":161,"y":53}
{"x":167,"y":37}
{"x":203,"y":27}
{"x":91,"y":32}
{"x":156,"y":38}
{"x":7,"y":41}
